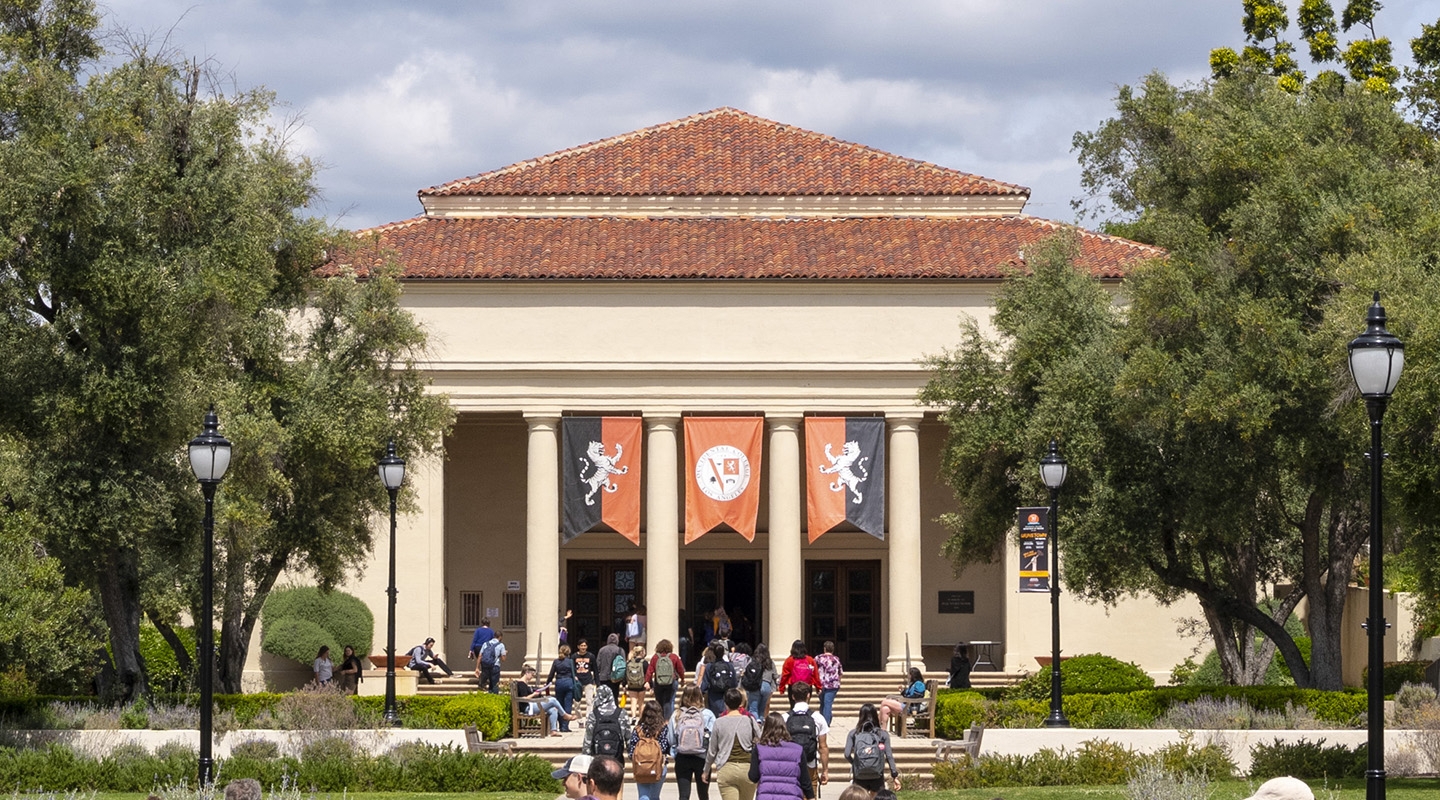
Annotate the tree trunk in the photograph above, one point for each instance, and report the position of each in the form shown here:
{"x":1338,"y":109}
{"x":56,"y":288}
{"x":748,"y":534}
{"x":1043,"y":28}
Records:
{"x":182,"y":656}
{"x":119,"y":588}
{"x":240,"y":615}
{"x":1326,"y":580}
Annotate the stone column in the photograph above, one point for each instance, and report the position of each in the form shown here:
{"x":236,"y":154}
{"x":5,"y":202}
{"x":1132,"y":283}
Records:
{"x":902,"y":457}
{"x":785,"y":583}
{"x":662,"y":531}
{"x":542,"y":542}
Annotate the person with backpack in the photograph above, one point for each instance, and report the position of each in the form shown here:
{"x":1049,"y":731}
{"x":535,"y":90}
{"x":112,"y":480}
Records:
{"x":665,"y":674}
{"x":830,"y":671}
{"x":740,"y":659}
{"x":605,"y":664}
{"x":719,"y":678}
{"x":914,"y":689}
{"x":607,"y":729}
{"x":811,"y":731}
{"x":635,"y":683}
{"x":868,"y":750}
{"x":759,"y":703}
{"x":492,"y":653}
{"x":777,"y":766}
{"x":732,"y":741}
{"x":649,"y":749}
{"x":689,"y":738}
{"x":799,"y":666}
{"x":562,"y":677}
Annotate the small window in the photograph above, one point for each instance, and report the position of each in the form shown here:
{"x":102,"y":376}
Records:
{"x":514,"y":610}
{"x":472,"y":609}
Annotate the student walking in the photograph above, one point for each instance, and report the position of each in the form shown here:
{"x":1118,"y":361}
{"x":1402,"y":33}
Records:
{"x":649,"y":750}
{"x":665,"y":673}
{"x":809,"y":730}
{"x":777,"y":767}
{"x":690,"y":730}
{"x":830,"y":672}
{"x":868,"y":750}
{"x":799,"y":666}
{"x":606,"y":661}
{"x":759,"y":701}
{"x":492,"y":655}
{"x":732,"y":740}
{"x":719,"y":678}
{"x":584,"y":662}
{"x":607,"y":729}
{"x":635,"y":669}
{"x":562,"y":677}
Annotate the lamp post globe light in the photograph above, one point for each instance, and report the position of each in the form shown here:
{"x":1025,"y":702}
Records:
{"x":1376,"y":360}
{"x":392,"y":475}
{"x":1053,"y":470}
{"x":209,"y":459}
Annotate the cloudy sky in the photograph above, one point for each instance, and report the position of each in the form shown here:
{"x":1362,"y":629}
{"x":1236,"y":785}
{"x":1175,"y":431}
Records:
{"x":397,"y":96}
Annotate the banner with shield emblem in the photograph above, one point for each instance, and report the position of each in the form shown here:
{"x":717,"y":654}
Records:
{"x":722,"y":455}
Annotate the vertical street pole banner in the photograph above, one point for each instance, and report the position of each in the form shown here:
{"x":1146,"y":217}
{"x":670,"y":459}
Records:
{"x":845,"y":474}
{"x":1034,"y":549}
{"x":600,"y":459}
{"x":723,"y":458}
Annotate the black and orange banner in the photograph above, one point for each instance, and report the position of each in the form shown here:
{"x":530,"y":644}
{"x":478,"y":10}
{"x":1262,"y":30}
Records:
{"x":845,"y":474}
{"x":601,"y":469}
{"x":723,"y":456}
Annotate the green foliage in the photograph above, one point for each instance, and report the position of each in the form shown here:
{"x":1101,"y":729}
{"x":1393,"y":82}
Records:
{"x":45,"y":634}
{"x":1096,"y":762}
{"x":1093,"y":673}
{"x":160,"y":659}
{"x":1307,"y":760}
{"x":1396,"y":674}
{"x":299,"y":620}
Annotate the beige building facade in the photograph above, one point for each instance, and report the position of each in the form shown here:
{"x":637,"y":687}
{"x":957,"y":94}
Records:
{"x":721,"y":264}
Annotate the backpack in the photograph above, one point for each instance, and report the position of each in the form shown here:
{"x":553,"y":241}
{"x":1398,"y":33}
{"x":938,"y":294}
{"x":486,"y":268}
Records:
{"x":664,"y":671}
{"x":487,"y":653}
{"x":635,"y":675}
{"x":802,"y":732}
{"x":869,"y":754}
{"x":721,"y":676}
{"x":750,"y":681}
{"x":608,"y":735}
{"x":617,"y":667}
{"x":647,"y":761}
{"x":690,"y":735}
{"x":802,"y":670}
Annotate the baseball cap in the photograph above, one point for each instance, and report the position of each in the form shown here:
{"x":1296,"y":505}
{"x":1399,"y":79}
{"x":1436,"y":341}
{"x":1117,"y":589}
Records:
{"x":1286,"y":788}
{"x":577,"y":764}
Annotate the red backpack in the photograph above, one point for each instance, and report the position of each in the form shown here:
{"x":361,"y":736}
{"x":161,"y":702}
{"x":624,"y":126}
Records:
{"x":802,"y":671}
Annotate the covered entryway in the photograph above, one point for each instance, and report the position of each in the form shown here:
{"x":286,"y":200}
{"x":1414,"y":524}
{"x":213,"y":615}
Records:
{"x":842,"y":601}
{"x":735,"y":585}
{"x":601,"y":593}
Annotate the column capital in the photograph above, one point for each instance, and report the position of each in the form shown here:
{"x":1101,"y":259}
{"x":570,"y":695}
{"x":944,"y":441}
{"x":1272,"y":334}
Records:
{"x":783,"y":421}
{"x":905,"y":421}
{"x":542,"y":419}
{"x":660,"y":420}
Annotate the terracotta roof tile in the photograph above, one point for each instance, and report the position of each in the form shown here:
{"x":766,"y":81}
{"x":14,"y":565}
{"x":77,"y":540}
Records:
{"x":615,"y":248}
{"x":723,"y":152}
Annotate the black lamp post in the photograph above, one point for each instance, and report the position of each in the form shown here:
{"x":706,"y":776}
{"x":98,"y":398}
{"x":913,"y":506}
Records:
{"x":392,"y":474}
{"x":1053,"y":469}
{"x":1376,"y":359}
{"x":209,"y":458}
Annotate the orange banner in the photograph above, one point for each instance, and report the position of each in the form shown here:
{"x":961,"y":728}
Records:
{"x":824,"y":509}
{"x":723,"y":457}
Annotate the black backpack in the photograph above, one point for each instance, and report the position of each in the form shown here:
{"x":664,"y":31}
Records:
{"x":609,"y":736}
{"x":750,"y":681}
{"x":802,"y":732}
{"x":869,"y":761}
{"x":721,"y":676}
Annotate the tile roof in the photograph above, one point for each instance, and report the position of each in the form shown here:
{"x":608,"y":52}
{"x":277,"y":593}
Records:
{"x":723,"y":152}
{"x":615,"y":248}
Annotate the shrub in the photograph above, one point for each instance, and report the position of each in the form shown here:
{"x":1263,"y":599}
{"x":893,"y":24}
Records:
{"x":1152,"y":782}
{"x":1396,"y":674}
{"x":325,"y":708}
{"x":161,"y":663}
{"x":1088,"y":674}
{"x":261,"y":749}
{"x":1097,"y":762}
{"x":293,"y":619}
{"x":1307,"y":760}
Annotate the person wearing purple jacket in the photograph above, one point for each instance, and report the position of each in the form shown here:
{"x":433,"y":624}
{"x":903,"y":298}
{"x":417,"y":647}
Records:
{"x":777,"y":766}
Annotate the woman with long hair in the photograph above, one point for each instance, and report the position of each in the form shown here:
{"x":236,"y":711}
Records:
{"x":665,"y":674}
{"x":799,"y":667}
{"x":914,"y":689}
{"x":634,"y":680}
{"x":868,"y":750}
{"x":536,"y":700}
{"x":562,"y":678}
{"x":689,"y":733}
{"x":350,"y":669}
{"x":323,"y":667}
{"x":759,"y":701}
{"x":960,"y":667}
{"x":778,"y":765}
{"x":650,"y":726}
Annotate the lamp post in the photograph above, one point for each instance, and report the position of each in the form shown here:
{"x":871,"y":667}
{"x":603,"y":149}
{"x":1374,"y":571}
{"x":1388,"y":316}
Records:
{"x":1053,"y":469}
{"x":209,"y":458}
{"x":392,"y":474}
{"x":1376,"y":359}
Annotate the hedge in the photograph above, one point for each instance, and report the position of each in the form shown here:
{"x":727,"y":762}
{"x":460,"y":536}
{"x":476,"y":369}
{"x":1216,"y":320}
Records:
{"x":296,"y":622}
{"x":957,"y":709}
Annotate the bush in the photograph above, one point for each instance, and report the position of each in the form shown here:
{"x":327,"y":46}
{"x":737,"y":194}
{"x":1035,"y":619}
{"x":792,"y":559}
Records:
{"x":1153,"y":782}
{"x":161,"y":663}
{"x":1097,"y":762}
{"x":1396,"y":674}
{"x":1088,"y":674}
{"x":297,"y":621}
{"x":1307,"y":760}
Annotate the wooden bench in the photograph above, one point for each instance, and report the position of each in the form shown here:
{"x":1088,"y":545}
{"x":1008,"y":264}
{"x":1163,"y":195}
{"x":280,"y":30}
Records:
{"x":946,"y":749}
{"x":918,"y":717}
{"x":521,"y":723}
{"x":475,"y":743}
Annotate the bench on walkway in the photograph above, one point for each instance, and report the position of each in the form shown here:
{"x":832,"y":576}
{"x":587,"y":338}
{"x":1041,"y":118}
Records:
{"x":918,"y":717}
{"x":521,"y":723}
{"x":475,"y":743}
{"x":946,"y":749}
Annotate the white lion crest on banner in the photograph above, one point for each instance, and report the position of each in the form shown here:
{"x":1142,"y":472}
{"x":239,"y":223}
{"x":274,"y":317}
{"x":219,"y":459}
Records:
{"x":840,"y":467}
{"x":604,"y":467}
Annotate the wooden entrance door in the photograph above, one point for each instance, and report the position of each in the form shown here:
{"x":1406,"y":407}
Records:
{"x":843,"y":601}
{"x":600,"y":595}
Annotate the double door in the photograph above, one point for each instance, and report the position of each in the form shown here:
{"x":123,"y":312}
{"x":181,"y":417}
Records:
{"x":601,"y":593}
{"x":842,"y":601}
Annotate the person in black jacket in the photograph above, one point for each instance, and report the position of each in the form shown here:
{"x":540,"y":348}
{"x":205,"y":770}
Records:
{"x":960,"y":667}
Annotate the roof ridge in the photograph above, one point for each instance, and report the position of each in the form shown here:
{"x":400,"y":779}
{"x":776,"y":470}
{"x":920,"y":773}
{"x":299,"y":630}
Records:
{"x":610,"y":141}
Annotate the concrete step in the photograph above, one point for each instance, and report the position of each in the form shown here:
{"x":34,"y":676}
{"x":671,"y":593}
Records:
{"x":857,"y":687}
